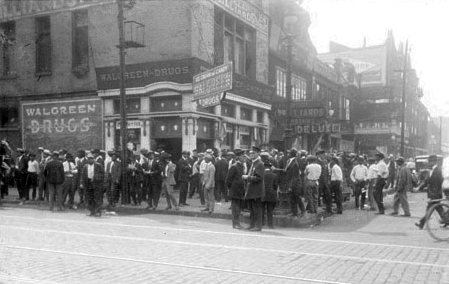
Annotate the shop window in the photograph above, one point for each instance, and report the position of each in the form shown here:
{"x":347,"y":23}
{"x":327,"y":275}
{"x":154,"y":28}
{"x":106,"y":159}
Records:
{"x":246,"y":114}
{"x":245,"y":137}
{"x":43,"y":45}
{"x":80,"y":39}
{"x":132,"y":105}
{"x":9,"y":117}
{"x":7,"y":41}
{"x":227,"y":110}
{"x":166,"y":104}
{"x":235,"y":41}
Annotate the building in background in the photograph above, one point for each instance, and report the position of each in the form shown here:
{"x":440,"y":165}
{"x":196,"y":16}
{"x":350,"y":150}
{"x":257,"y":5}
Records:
{"x":377,"y":114}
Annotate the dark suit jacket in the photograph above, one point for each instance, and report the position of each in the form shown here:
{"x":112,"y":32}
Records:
{"x":435,"y":183}
{"x":271,"y":186}
{"x":255,"y":181}
{"x":221,"y":170}
{"x":293,"y":179}
{"x":98,"y":173}
{"x":184,"y":170}
{"x":23,"y":164}
{"x":156,"y":169}
{"x":136,"y":174}
{"x":54,"y":172}
{"x":115,"y":173}
{"x":235,"y":182}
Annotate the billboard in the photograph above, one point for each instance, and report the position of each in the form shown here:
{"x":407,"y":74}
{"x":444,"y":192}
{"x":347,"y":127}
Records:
{"x":73,"y":125}
{"x":214,"y":81}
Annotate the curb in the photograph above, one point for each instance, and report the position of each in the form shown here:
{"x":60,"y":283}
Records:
{"x":283,"y":221}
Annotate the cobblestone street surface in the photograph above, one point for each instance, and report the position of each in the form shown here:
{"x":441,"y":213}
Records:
{"x":38,"y":246}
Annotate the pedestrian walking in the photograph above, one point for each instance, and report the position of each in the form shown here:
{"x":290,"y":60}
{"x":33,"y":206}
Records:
{"x":92,"y":179}
{"x":54,"y":175}
{"x":208,"y":184}
{"x":402,"y":185}
{"x":382,"y":175}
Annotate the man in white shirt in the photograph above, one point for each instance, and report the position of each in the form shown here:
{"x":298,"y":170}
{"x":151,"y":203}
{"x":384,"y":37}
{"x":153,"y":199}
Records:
{"x":209,"y":184}
{"x":382,"y":175}
{"x":311,"y":176}
{"x":359,"y":175}
{"x":68,"y":187}
{"x":336,"y":180}
{"x":33,"y":172}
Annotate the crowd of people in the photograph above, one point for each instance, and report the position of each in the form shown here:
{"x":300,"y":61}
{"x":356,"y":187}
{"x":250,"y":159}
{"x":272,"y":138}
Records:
{"x":251,"y":179}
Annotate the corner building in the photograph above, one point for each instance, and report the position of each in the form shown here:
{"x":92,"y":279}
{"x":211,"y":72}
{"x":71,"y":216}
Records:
{"x":63,"y":89}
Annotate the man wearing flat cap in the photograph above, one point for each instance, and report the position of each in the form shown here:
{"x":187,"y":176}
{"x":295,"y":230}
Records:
{"x":184,"y":170}
{"x":92,"y":178}
{"x":402,"y":185}
{"x":235,"y":184}
{"x":434,"y":191}
{"x":54,"y":175}
{"x":21,"y":172}
{"x":254,"y":189}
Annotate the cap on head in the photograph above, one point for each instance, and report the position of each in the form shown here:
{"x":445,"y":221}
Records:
{"x":185,"y":152}
{"x":265,"y":154}
{"x":41,"y":149}
{"x":55,"y":153}
{"x":293,"y":152}
{"x":255,"y":149}
{"x":239,"y":152}
{"x":400,"y":160}
{"x":47,"y":152}
{"x":231,"y":154}
{"x":311,"y":158}
{"x":95,"y":151}
{"x":320,"y":152}
{"x":209,"y":151}
{"x":90,"y":155}
{"x":380,"y":155}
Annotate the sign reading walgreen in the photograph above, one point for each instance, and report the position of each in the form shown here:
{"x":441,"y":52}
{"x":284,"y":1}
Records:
{"x":208,"y":86}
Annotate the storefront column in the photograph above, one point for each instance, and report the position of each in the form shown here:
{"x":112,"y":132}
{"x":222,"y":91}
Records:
{"x":109,"y":133}
{"x":236,"y":134}
{"x":146,"y":135}
{"x":254,"y":130}
{"x":189,"y":134}
{"x":217,"y":142}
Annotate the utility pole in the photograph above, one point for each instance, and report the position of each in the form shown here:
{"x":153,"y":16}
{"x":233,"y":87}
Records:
{"x":404,"y":86}
{"x":288,"y":95}
{"x":123,"y":120}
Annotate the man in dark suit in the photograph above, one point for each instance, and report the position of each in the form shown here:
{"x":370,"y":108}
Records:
{"x":434,"y":191}
{"x":21,"y":172}
{"x":270,"y":198}
{"x":221,"y":172}
{"x":113,"y":177}
{"x":153,"y":168}
{"x":80,"y":162}
{"x":234,"y":181}
{"x":92,"y":177}
{"x":54,"y":175}
{"x":135,"y":179}
{"x":184,"y":169}
{"x":254,"y":189}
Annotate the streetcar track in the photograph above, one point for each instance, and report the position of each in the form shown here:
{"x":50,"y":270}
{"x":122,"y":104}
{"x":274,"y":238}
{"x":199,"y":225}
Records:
{"x":355,"y":258}
{"x":235,"y":271}
{"x":277,"y":237}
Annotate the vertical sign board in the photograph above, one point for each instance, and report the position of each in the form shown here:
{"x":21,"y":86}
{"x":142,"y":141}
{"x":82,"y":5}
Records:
{"x":71,"y":125}
{"x":209,"y":86}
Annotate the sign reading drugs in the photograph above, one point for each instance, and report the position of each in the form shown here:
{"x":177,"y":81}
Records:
{"x":213,"y":81}
{"x":64,"y":124}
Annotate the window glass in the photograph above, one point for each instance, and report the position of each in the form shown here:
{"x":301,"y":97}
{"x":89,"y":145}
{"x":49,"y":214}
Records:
{"x":80,"y":39}
{"x":132,"y":105}
{"x":7,"y":41}
{"x":43,"y":45}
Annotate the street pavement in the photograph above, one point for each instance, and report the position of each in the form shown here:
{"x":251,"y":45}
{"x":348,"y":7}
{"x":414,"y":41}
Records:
{"x":38,"y":246}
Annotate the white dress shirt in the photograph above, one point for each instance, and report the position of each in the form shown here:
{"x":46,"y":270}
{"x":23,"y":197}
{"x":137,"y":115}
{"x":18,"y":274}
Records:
{"x":336,"y":173}
{"x":90,"y":171}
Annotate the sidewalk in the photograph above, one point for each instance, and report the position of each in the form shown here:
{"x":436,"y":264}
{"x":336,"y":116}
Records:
{"x":221,"y":211}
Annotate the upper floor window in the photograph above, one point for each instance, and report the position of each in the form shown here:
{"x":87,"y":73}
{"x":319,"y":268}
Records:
{"x":80,"y":39}
{"x":299,"y":86}
{"x":227,"y":110}
{"x":132,"y":105}
{"x":347,"y":109}
{"x":7,"y":41}
{"x":43,"y":45}
{"x":246,"y":114}
{"x":237,"y":43}
{"x":260,"y":115}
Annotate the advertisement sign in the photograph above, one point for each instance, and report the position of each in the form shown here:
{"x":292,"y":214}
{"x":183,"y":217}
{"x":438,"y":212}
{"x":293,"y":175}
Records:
{"x":213,"y":81}
{"x":71,"y":125}
{"x":130,"y":124}
{"x":318,"y":128}
{"x":212,"y":100}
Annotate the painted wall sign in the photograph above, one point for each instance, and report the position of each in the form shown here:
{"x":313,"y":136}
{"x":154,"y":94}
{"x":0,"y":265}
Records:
{"x":212,"y":100}
{"x":213,"y":81}
{"x":246,"y":12}
{"x":130,"y":124}
{"x":309,"y":112}
{"x":63,"y":124}
{"x":143,"y":74}
{"x":19,"y":9}
{"x":252,"y":89}
{"x":318,"y":128}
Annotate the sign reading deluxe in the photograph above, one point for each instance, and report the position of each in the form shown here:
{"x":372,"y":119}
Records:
{"x":64,"y":124}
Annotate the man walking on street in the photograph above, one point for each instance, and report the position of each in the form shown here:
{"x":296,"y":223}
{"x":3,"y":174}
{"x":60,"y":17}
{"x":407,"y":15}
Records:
{"x":54,"y":175}
{"x":382,"y":175}
{"x":402,"y":185}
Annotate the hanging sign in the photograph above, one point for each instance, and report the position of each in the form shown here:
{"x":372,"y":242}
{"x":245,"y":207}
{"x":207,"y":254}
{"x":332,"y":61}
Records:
{"x":211,"y":84}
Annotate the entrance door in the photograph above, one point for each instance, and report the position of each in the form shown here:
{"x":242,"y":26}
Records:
{"x":170,"y":145}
